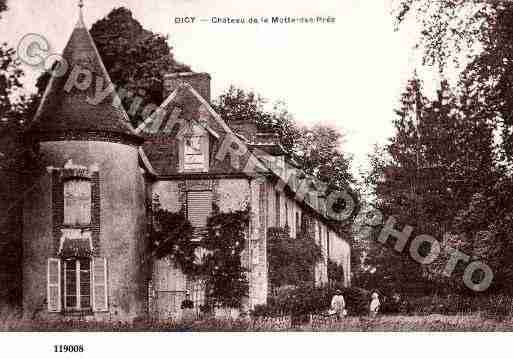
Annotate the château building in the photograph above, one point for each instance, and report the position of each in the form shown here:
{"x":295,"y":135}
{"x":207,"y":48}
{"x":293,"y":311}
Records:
{"x":84,"y":213}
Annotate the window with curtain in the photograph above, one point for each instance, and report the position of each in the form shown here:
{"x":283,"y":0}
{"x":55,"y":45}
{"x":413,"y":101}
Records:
{"x":77,"y":202}
{"x":77,"y":284}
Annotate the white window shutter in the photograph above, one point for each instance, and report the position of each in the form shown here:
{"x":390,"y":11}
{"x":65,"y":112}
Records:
{"x":99,"y":284}
{"x":199,"y":208}
{"x":54,"y":285}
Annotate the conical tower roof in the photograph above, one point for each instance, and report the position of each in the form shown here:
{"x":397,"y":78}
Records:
{"x":74,"y":107}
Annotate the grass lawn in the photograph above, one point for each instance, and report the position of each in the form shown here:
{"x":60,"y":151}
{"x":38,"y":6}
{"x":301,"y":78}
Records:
{"x":354,"y":324}
{"x":414,"y":323}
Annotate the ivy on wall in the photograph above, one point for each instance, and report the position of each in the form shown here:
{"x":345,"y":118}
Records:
{"x":291,"y":260}
{"x":335,"y":272}
{"x":171,"y":237}
{"x":221,"y":266}
{"x":225,"y":274}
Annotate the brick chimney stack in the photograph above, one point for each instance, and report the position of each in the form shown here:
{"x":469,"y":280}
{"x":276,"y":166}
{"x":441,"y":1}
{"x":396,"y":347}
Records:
{"x":199,"y":81}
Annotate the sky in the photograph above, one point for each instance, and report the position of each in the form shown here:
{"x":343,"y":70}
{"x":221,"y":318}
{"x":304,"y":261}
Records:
{"x":348,"y":74}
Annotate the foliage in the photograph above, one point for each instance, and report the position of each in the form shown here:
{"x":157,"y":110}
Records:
{"x":335,"y":272}
{"x":317,"y":150}
{"x":237,"y":104}
{"x":307,"y":299}
{"x":483,"y":226}
{"x":226,"y":277}
{"x":386,"y":323}
{"x":448,"y":28}
{"x":171,"y":237}
{"x":135,"y":58}
{"x":10,"y":85}
{"x":440,"y":157}
{"x":291,"y":260}
{"x":3,"y":6}
{"x":495,"y":306}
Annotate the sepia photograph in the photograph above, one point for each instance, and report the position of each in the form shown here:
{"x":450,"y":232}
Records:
{"x":255,"y":166}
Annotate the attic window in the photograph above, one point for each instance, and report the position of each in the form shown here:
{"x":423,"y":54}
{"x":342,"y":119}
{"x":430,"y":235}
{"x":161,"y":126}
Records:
{"x":193,"y":154}
{"x":194,"y":149}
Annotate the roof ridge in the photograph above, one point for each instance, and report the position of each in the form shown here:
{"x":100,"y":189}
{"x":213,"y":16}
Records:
{"x":109,"y":80}
{"x":66,"y":106}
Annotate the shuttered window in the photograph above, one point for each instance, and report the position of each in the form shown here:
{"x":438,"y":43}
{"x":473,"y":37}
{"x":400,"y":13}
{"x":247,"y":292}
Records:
{"x":298,"y":224}
{"x":77,"y":284}
{"x":286,"y":212}
{"x":199,"y":207}
{"x":54,"y":285}
{"x":328,"y":243}
{"x":99,"y":273}
{"x":77,"y":202}
{"x":278,"y":208}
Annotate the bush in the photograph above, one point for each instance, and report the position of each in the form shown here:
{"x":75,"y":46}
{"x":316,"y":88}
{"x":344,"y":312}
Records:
{"x":496,"y":306}
{"x":302,"y":301}
{"x":335,"y":272}
{"x":291,"y":260}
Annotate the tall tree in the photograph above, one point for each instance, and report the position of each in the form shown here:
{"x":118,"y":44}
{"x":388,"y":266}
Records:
{"x":136,"y":59}
{"x":439,"y":159}
{"x":10,"y":84}
{"x":319,"y":152}
{"x":392,"y":180}
{"x":486,"y":27}
{"x":238,"y":104}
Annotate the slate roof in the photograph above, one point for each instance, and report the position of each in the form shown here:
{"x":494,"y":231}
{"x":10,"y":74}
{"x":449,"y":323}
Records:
{"x":160,"y":130}
{"x":63,"y":109}
{"x":185,"y":104}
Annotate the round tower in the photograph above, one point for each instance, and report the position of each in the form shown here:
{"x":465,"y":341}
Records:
{"x":84,"y":217}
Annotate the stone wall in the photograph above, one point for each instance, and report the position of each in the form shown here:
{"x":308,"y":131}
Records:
{"x":122,"y":227}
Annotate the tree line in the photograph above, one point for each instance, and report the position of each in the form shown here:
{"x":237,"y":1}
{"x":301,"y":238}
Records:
{"x":446,"y":171}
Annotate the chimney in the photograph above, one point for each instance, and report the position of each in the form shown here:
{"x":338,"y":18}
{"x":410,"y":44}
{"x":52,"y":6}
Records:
{"x":246,"y":128}
{"x":268,"y":138}
{"x":199,"y":81}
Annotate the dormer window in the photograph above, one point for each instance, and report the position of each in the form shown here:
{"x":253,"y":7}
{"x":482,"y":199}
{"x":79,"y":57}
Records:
{"x":194,"y":154}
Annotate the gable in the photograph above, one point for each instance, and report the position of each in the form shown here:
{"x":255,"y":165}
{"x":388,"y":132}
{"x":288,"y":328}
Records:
{"x":164,"y":130}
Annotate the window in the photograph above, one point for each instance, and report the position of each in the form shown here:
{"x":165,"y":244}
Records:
{"x":328,"y":243}
{"x":298,"y":223}
{"x":77,"y":284}
{"x":194,"y":149}
{"x":193,"y":154}
{"x":278,"y":208}
{"x":286,"y":212}
{"x":84,"y":284}
{"x":77,"y":202}
{"x":319,"y":232}
{"x":199,"y":207}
